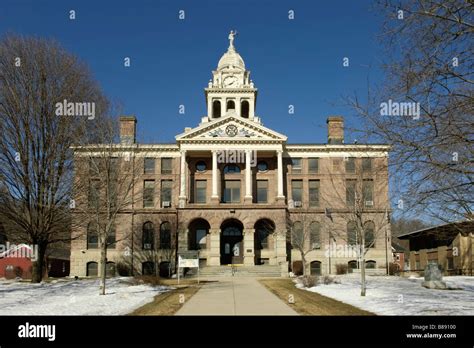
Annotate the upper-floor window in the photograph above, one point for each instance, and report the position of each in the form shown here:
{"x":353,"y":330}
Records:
{"x":244,"y":109}
{"x":315,"y":235}
{"x":216,"y":109}
{"x":297,"y":190}
{"x":148,"y":193}
{"x":232,"y":191}
{"x":166,"y":193}
{"x":262,"y":191}
{"x":368,"y":192}
{"x":165,"y":235}
{"x":201,"y":166}
{"x":201,"y":188}
{"x":296,"y":165}
{"x":336,"y":164}
{"x":230,"y":105}
{"x":313,"y":165}
{"x":350,"y":165}
{"x":313,"y":193}
{"x":350,"y":192}
{"x":366,"y":164}
{"x":166,"y":165}
{"x":148,"y":236}
{"x":149,"y":166}
{"x":262,"y":166}
{"x":92,"y":236}
{"x":231,"y":169}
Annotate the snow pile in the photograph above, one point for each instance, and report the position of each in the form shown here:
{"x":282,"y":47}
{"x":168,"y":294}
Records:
{"x":75,"y":297}
{"x":390,"y":295}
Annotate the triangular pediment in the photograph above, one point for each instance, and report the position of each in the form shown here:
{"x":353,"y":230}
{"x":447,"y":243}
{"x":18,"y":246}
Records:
{"x":231,"y":128}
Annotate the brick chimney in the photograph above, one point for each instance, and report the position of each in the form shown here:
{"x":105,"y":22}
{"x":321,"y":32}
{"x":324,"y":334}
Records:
{"x":335,"y":129}
{"x":128,"y":130}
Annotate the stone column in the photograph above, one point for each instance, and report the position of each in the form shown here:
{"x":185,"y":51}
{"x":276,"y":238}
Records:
{"x":214,"y":258}
{"x":223,"y":107}
{"x":209,"y":108}
{"x":215,"y":195}
{"x":238,"y":106}
{"x":248,"y":177}
{"x":251,"y":108}
{"x":182,"y":187}
{"x":249,"y":252}
{"x":280,"y":195}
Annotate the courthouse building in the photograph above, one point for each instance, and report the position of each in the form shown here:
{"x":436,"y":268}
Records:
{"x":237,"y":191}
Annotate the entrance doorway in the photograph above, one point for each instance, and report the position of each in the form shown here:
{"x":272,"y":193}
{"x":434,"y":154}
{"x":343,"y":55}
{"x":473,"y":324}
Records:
{"x":232,"y":242}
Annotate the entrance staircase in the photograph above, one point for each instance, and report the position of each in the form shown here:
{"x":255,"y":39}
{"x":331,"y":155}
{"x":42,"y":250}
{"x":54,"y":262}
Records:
{"x":238,"y":271}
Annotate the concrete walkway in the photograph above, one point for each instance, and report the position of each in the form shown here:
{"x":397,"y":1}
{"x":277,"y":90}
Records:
{"x":235,"y":296}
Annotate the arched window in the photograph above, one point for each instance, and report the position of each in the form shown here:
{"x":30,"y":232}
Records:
{"x":148,"y":236}
{"x":230,"y":105}
{"x":369,"y":234}
{"x":92,"y":236}
{"x":110,"y":269}
{"x":370,"y":264}
{"x":351,"y":233}
{"x":165,"y":235}
{"x":216,"y":109}
{"x":315,"y":268}
{"x":352,"y":264}
{"x":148,"y":268}
{"x":92,"y":269}
{"x":197,"y":237}
{"x":244,"y":109}
{"x":231,"y":169}
{"x":315,"y":235}
{"x":297,"y":235}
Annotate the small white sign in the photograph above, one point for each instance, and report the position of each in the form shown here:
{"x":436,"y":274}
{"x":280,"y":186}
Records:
{"x":190,"y":263}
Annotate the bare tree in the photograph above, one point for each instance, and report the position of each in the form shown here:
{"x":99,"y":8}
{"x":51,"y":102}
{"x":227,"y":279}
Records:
{"x":303,"y":237}
{"x":358,"y":208}
{"x":36,"y":77}
{"x":430,"y":64}
{"x":105,"y":181}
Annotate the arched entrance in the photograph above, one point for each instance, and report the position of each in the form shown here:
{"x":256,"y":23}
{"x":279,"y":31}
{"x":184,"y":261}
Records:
{"x":232,"y":242}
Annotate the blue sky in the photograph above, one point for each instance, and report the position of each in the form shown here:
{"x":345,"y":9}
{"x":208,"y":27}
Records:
{"x":297,"y":62}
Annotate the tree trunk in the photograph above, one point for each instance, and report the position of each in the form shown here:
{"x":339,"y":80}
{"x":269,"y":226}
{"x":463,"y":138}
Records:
{"x":362,"y":269}
{"x":103,"y":266}
{"x":303,"y":260}
{"x":38,"y":265}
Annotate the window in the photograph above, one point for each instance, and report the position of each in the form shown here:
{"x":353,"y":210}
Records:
{"x":244,"y":111}
{"x":93,"y":166}
{"x":296,"y":165}
{"x":297,"y":190}
{"x":111,"y":238}
{"x":263,"y":229}
{"x":110,"y":269}
{"x":216,"y":109}
{"x":230,"y":105}
{"x":315,"y":235}
{"x":262,"y":239}
{"x":352,"y":264}
{"x":262,"y":191}
{"x":297,"y":235}
{"x":313,"y":165}
{"x":201,"y":238}
{"x":370,"y":264}
{"x":350,"y":192}
{"x":92,"y":236}
{"x":369,"y":236}
{"x":313,"y":193}
{"x":351,"y":233}
{"x":232,"y":191}
{"x":368,"y":192}
{"x":148,"y":268}
{"x":148,"y":236}
{"x":166,"y":165}
{"x":92,"y":269}
{"x":165,"y":235}
{"x":350,"y":165}
{"x":201,"y":188}
{"x":201,"y":166}
{"x":315,"y":268}
{"x":149,"y":166}
{"x":94,"y":189}
{"x":166,"y":190}
{"x":366,"y":165}
{"x":262,"y":166}
{"x":113,"y":166}
{"x":148,"y":193}
{"x":231,"y":169}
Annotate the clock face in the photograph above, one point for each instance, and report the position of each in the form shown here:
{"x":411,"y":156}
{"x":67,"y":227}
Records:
{"x":230,"y":81}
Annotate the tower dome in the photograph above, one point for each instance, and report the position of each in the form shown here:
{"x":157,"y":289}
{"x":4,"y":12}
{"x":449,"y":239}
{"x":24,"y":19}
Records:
{"x":231,"y":57}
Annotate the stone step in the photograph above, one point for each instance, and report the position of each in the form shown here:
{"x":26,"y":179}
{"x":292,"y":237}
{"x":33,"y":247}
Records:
{"x":239,"y":271}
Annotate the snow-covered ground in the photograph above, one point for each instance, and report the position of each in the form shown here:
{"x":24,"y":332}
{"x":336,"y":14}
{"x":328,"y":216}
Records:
{"x":403,"y":296}
{"x":74,"y":297}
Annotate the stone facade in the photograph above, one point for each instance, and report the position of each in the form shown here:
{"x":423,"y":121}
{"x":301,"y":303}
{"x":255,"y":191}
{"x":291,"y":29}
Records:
{"x":237,"y":188}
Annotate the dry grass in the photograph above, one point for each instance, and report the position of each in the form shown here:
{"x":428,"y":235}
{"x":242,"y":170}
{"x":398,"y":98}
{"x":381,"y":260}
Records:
{"x":309,"y":303}
{"x":170,"y":302}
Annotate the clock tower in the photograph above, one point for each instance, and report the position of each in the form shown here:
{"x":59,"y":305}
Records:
{"x":230,"y":91}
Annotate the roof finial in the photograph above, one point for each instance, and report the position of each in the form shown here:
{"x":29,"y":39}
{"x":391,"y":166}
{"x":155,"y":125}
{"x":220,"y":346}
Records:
{"x":231,"y":38}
